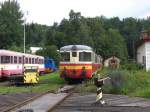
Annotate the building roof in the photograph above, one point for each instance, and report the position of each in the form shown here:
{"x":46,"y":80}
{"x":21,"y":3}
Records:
{"x":142,"y":41}
{"x":144,"y":37}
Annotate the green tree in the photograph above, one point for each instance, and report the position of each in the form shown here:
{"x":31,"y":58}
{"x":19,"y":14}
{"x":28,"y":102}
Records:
{"x":131,"y":33}
{"x":35,"y":34}
{"x":11,"y":30}
{"x":112,"y":43}
{"x":50,"y":51}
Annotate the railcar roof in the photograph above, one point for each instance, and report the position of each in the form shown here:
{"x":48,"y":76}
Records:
{"x":8,"y":52}
{"x":75,"y":47}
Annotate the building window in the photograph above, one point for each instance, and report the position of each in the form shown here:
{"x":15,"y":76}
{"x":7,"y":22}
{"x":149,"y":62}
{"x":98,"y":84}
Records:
{"x":144,"y":61}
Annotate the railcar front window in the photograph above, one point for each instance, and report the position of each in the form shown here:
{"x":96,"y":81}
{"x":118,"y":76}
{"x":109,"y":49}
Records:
{"x":65,"y":56}
{"x":5,"y":59}
{"x":84,"y":56}
{"x":74,"y":54}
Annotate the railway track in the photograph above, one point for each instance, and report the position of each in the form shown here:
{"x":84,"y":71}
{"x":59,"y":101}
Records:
{"x":10,"y":102}
{"x":78,"y":102}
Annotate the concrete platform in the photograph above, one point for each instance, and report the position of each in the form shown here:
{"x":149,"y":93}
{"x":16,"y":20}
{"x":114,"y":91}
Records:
{"x":43,"y":104}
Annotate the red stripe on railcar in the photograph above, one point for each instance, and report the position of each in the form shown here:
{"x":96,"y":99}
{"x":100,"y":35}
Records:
{"x":6,"y":73}
{"x":75,"y":70}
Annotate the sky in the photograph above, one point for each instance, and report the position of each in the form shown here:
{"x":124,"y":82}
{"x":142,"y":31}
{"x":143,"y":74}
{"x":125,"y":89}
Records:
{"x":50,"y":11}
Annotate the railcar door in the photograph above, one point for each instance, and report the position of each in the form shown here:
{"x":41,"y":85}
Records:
{"x":74,"y":58}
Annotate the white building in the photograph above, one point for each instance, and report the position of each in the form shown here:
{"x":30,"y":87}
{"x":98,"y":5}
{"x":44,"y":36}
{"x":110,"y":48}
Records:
{"x":143,"y":50}
{"x":34,"y":49}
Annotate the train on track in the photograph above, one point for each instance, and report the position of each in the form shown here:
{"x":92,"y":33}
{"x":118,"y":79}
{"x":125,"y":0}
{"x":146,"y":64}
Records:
{"x":78,"y":62}
{"x":13,"y":63}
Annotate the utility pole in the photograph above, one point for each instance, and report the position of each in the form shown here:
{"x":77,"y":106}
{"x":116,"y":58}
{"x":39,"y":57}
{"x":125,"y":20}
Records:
{"x":24,"y":31}
{"x":24,"y":36}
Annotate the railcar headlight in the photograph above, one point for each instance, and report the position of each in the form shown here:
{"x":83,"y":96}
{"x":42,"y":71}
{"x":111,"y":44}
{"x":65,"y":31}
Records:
{"x":83,"y":68}
{"x":83,"y":72}
{"x":64,"y":72}
{"x":74,"y":72}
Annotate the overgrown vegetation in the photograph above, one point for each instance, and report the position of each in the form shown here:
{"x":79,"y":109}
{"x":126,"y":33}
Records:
{"x":128,"y":82}
{"x":50,"y":82}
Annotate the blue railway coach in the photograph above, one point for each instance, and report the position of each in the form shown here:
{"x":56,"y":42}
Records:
{"x":49,"y":65}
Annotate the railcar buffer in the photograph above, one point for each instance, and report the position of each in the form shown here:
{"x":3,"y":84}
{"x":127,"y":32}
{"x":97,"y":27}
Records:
{"x":31,"y":74}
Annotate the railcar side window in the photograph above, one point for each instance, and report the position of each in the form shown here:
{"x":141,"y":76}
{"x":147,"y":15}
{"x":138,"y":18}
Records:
{"x":84,"y":56}
{"x":32,"y":60}
{"x":26,"y":61}
{"x":36,"y":61}
{"x":11,"y":59}
{"x":39,"y":61}
{"x":65,"y":56}
{"x":15,"y":59}
{"x":5,"y":59}
{"x":20,"y":60}
{"x":29,"y":60}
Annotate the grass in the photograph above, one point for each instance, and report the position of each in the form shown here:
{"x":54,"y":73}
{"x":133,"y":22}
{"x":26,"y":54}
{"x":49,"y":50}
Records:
{"x":85,"y":87}
{"x":127,"y":82}
{"x":49,"y":82}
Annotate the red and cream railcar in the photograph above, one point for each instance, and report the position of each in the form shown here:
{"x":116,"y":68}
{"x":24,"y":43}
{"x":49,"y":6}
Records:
{"x":78,"y":62}
{"x":13,"y":63}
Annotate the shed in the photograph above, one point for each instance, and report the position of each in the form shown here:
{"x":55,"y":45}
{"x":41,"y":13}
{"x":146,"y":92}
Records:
{"x":113,"y":62}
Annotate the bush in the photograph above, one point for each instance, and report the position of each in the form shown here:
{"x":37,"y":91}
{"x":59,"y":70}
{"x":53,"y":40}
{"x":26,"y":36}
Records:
{"x":133,"y":83}
{"x":116,"y":83}
{"x":131,"y":66}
